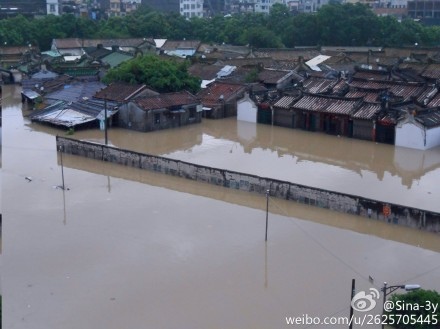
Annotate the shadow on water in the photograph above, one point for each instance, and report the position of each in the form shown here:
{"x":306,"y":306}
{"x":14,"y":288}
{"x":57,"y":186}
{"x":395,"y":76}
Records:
{"x":358,"y":224}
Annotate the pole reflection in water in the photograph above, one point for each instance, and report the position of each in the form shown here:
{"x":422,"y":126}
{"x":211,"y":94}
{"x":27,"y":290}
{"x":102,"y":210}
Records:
{"x":160,"y":251}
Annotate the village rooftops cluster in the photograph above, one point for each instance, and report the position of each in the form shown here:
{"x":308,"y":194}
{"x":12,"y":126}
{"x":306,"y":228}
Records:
{"x":368,"y":93}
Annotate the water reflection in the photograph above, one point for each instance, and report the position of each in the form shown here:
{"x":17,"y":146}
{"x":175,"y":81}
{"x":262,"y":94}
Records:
{"x":126,"y":248}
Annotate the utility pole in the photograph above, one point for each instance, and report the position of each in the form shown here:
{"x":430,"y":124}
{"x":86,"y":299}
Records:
{"x":105,"y":119}
{"x":267,"y":211}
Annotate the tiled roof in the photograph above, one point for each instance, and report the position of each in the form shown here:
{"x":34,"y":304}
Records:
{"x":367,"y":111}
{"x":272,"y":76}
{"x":372,"y":75}
{"x":166,"y":100}
{"x":427,"y":95}
{"x":370,"y":97}
{"x":68,"y":43}
{"x":212,"y":94}
{"x":405,"y":90}
{"x":119,"y":92}
{"x":204,"y":71}
{"x":435,"y":101}
{"x":13,"y":50}
{"x":80,"y":43}
{"x":325,"y":104}
{"x":239,"y":62}
{"x":431,"y":72}
{"x":180,"y":44}
{"x":315,"y":85}
{"x":430,"y":119}
{"x":291,"y":54}
{"x":285,"y":102}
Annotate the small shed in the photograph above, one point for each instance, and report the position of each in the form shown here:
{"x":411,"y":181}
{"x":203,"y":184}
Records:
{"x":162,"y":111}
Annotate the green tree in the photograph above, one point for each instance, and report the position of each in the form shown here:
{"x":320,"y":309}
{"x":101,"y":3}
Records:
{"x":163,"y":75}
{"x":424,"y":316}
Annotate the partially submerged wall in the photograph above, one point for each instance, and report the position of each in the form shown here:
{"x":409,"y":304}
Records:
{"x":393,"y":213}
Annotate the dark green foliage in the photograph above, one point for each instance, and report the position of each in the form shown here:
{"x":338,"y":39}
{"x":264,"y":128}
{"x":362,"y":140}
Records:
{"x":424,"y":317}
{"x":334,"y":24}
{"x":159,"y":74}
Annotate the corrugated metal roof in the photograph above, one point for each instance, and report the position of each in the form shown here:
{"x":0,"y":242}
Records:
{"x":367,"y":111}
{"x":164,"y":101}
{"x":67,"y":114}
{"x":76,"y":91}
{"x":314,"y":62}
{"x":116,"y":58}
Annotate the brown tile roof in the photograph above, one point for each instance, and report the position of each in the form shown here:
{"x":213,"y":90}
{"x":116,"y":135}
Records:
{"x":119,"y":92}
{"x":317,"y":103}
{"x":432,"y":71}
{"x":367,"y":111}
{"x":272,"y":76}
{"x":211,"y":95}
{"x":240,"y":62}
{"x":372,"y":75}
{"x":204,"y":71}
{"x":163,"y":101}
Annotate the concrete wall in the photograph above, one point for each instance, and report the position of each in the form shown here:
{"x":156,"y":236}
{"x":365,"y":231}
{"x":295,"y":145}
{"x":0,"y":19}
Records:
{"x":399,"y":214}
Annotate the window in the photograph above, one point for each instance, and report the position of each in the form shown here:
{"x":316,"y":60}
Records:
{"x":52,"y":8}
{"x":157,"y":118}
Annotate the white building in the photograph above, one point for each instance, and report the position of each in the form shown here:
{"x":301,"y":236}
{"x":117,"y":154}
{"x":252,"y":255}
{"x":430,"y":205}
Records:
{"x":255,"y":6}
{"x":419,"y":132}
{"x":191,"y":8}
{"x":247,"y":110}
{"x":53,"y":7}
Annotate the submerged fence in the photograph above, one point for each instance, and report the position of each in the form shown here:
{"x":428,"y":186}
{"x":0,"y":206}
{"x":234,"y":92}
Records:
{"x":346,"y":203}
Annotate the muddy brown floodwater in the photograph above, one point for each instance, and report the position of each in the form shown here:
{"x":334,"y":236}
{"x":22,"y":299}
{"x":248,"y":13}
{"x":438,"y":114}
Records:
{"x":125,"y":248}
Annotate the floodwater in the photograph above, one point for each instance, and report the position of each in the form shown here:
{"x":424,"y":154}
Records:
{"x":125,"y":248}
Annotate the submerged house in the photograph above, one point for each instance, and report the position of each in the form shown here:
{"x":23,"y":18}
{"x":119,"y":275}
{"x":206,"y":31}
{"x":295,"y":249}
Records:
{"x":160,"y":112}
{"x":85,"y":113}
{"x":219,"y":99}
{"x":324,"y":113}
{"x":364,"y":121}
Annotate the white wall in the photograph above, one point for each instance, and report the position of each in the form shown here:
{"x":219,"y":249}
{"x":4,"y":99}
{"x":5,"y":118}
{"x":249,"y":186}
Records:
{"x":433,"y":137}
{"x":410,"y":135}
{"x":246,"y":110}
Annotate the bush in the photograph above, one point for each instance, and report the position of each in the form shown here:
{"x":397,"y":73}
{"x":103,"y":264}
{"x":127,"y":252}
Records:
{"x":416,"y":309}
